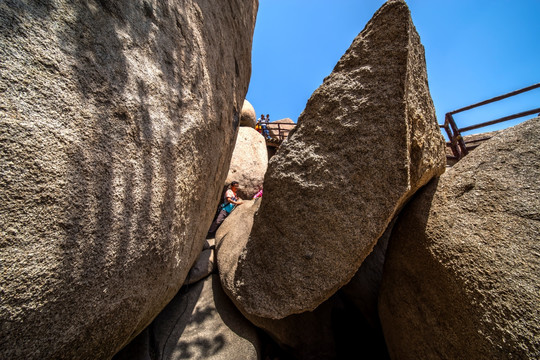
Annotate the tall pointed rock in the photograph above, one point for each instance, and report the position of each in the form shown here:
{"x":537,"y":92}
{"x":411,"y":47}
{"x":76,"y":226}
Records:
{"x":367,"y":140}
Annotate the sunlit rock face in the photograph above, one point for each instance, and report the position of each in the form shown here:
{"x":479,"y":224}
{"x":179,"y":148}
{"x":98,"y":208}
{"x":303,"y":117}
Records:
{"x":305,"y":336}
{"x":118,"y":121}
{"x":249,"y":162}
{"x":248,"y":117}
{"x":462,"y":270}
{"x":367,"y":140}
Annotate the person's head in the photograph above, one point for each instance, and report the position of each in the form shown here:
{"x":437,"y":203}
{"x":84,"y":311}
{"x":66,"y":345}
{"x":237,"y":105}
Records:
{"x":235,"y":185}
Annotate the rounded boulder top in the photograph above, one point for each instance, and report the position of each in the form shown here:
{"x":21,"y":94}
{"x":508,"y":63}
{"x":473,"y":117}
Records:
{"x":248,"y":116}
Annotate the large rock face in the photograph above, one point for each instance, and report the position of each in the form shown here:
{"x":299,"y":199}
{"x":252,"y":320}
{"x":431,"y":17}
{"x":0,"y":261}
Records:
{"x":462,"y":273}
{"x":306,"y":336}
{"x":367,"y":140}
{"x":118,"y":123}
{"x":249,"y":162}
{"x":231,"y":237}
{"x":200,"y":322}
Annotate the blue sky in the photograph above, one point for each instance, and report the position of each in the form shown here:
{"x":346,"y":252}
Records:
{"x":475,"y":50}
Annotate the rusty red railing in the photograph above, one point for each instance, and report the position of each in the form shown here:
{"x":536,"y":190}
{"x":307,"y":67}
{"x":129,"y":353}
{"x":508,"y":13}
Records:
{"x":276,"y":133}
{"x":459,"y":146}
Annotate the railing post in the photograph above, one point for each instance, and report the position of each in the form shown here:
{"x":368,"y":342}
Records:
{"x":457,"y":136}
{"x":451,"y":137}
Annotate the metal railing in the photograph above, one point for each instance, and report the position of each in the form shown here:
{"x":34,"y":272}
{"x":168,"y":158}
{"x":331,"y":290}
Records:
{"x":276,"y":133}
{"x":283,"y":130}
{"x":459,"y":146}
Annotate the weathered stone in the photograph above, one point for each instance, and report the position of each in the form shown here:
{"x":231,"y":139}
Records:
{"x":462,"y":272}
{"x":118,"y":121}
{"x":203,"y":267}
{"x":305,"y":336}
{"x":229,"y":247}
{"x":280,"y":129}
{"x":471,"y":141}
{"x":199,"y":323}
{"x":367,"y":140}
{"x":248,"y":117}
{"x":249,"y":162}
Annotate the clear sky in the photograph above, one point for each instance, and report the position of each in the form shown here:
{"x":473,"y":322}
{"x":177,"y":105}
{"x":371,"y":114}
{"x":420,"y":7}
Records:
{"x":475,"y":50}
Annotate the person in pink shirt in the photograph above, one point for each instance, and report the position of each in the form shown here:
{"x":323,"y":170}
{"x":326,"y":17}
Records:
{"x":259,"y":193}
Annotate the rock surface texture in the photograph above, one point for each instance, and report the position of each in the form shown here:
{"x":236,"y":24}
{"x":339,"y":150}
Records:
{"x":248,"y":116}
{"x":249,"y":162}
{"x":200,"y":322}
{"x":305,"y":336}
{"x":462,"y":272}
{"x":231,"y":239}
{"x":203,"y":267}
{"x":118,"y":121}
{"x":367,"y":140}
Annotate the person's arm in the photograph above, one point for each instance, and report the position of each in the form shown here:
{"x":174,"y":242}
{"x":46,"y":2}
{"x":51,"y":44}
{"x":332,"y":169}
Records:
{"x":237,"y":202}
{"x":230,"y":195}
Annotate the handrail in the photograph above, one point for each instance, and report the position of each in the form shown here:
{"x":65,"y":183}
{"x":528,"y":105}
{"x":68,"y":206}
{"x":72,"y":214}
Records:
{"x":496,"y":98}
{"x":275,"y":133}
{"x":457,"y":144}
{"x":506,"y":118}
{"x":281,"y":132}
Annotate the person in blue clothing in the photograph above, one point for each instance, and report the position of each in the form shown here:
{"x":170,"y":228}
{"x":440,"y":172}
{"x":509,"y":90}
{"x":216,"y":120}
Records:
{"x":230,"y":201}
{"x":264,"y":125}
